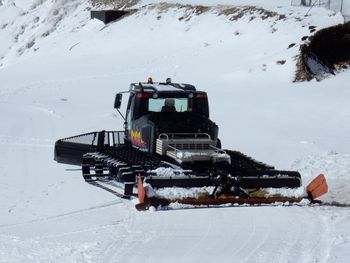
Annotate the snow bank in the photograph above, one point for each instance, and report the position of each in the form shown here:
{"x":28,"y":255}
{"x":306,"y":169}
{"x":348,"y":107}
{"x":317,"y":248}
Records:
{"x":336,"y":168}
{"x":24,"y":26}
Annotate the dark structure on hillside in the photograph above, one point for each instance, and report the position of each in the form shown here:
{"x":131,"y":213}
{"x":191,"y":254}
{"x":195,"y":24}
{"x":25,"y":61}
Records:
{"x":107,"y":16}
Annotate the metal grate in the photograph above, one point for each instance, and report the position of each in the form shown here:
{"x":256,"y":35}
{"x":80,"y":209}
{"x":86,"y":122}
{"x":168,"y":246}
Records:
{"x":110,"y":138}
{"x":190,"y":146}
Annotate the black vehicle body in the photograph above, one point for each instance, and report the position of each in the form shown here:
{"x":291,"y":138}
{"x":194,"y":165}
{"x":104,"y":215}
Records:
{"x":143,"y":125}
{"x":166,"y":125}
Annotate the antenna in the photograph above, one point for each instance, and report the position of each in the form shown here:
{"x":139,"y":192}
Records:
{"x":311,"y":7}
{"x":141,"y":86}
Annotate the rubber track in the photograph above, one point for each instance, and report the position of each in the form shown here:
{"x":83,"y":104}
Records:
{"x":120,"y":164}
{"x":242,"y":161}
{"x":125,"y":163}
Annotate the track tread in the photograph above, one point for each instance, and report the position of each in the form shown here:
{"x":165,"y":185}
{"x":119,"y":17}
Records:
{"x":124,"y":164}
{"x":242,"y":161}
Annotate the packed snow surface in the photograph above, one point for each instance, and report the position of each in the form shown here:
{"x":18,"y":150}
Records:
{"x":59,"y":72}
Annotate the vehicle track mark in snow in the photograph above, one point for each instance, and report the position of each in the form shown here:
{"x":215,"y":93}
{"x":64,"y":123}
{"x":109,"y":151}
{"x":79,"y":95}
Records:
{"x":263,"y":240}
{"x":33,"y":107}
{"x":122,"y":242}
{"x":246,"y":246}
{"x":281,"y":243}
{"x":194,"y":236}
{"x":295,"y":240}
{"x":307,"y":248}
{"x":81,"y":231}
{"x":59,"y":216}
{"x":292,"y":239}
{"x":267,"y":234}
{"x":202,"y":242}
{"x":23,"y":141}
{"x":146,"y":237}
{"x":15,"y":249}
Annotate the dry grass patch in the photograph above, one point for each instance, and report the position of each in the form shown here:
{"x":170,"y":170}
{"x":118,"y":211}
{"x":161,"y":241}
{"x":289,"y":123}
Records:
{"x":114,"y":4}
{"x":236,"y":13}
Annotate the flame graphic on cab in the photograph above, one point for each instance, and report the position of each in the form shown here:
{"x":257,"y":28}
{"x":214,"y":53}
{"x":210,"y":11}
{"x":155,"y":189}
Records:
{"x":136,"y":140}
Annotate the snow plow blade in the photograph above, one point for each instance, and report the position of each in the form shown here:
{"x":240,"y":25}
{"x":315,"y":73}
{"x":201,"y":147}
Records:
{"x":315,"y":189}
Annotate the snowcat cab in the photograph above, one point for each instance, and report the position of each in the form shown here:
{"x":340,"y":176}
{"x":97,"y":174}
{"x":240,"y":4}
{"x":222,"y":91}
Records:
{"x":172,"y":120}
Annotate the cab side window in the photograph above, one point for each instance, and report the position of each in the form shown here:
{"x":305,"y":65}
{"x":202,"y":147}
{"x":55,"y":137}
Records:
{"x":130,"y":111}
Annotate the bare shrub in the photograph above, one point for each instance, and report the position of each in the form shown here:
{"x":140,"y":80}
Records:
{"x":236,"y":13}
{"x":115,"y":4}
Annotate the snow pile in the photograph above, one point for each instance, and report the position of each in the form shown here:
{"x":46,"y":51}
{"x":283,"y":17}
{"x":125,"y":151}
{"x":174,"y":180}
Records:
{"x":168,"y":172}
{"x":173,"y":193}
{"x":336,"y":168}
{"x":287,"y":192}
{"x":25,"y":28}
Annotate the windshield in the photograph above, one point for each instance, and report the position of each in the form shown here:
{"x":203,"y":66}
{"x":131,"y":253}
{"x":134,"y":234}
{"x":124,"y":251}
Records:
{"x":169,"y":105}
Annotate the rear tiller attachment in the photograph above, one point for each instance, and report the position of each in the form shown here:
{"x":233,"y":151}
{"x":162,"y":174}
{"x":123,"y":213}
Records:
{"x":227,"y":191}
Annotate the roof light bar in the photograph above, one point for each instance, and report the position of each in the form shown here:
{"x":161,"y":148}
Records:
{"x":201,"y":95}
{"x":143,"y":95}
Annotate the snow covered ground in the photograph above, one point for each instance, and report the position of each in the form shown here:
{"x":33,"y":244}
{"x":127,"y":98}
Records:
{"x":59,"y":72}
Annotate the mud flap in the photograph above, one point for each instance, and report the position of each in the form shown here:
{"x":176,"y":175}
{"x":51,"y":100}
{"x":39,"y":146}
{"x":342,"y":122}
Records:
{"x":317,"y":187}
{"x":141,"y":193}
{"x":144,"y":201}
